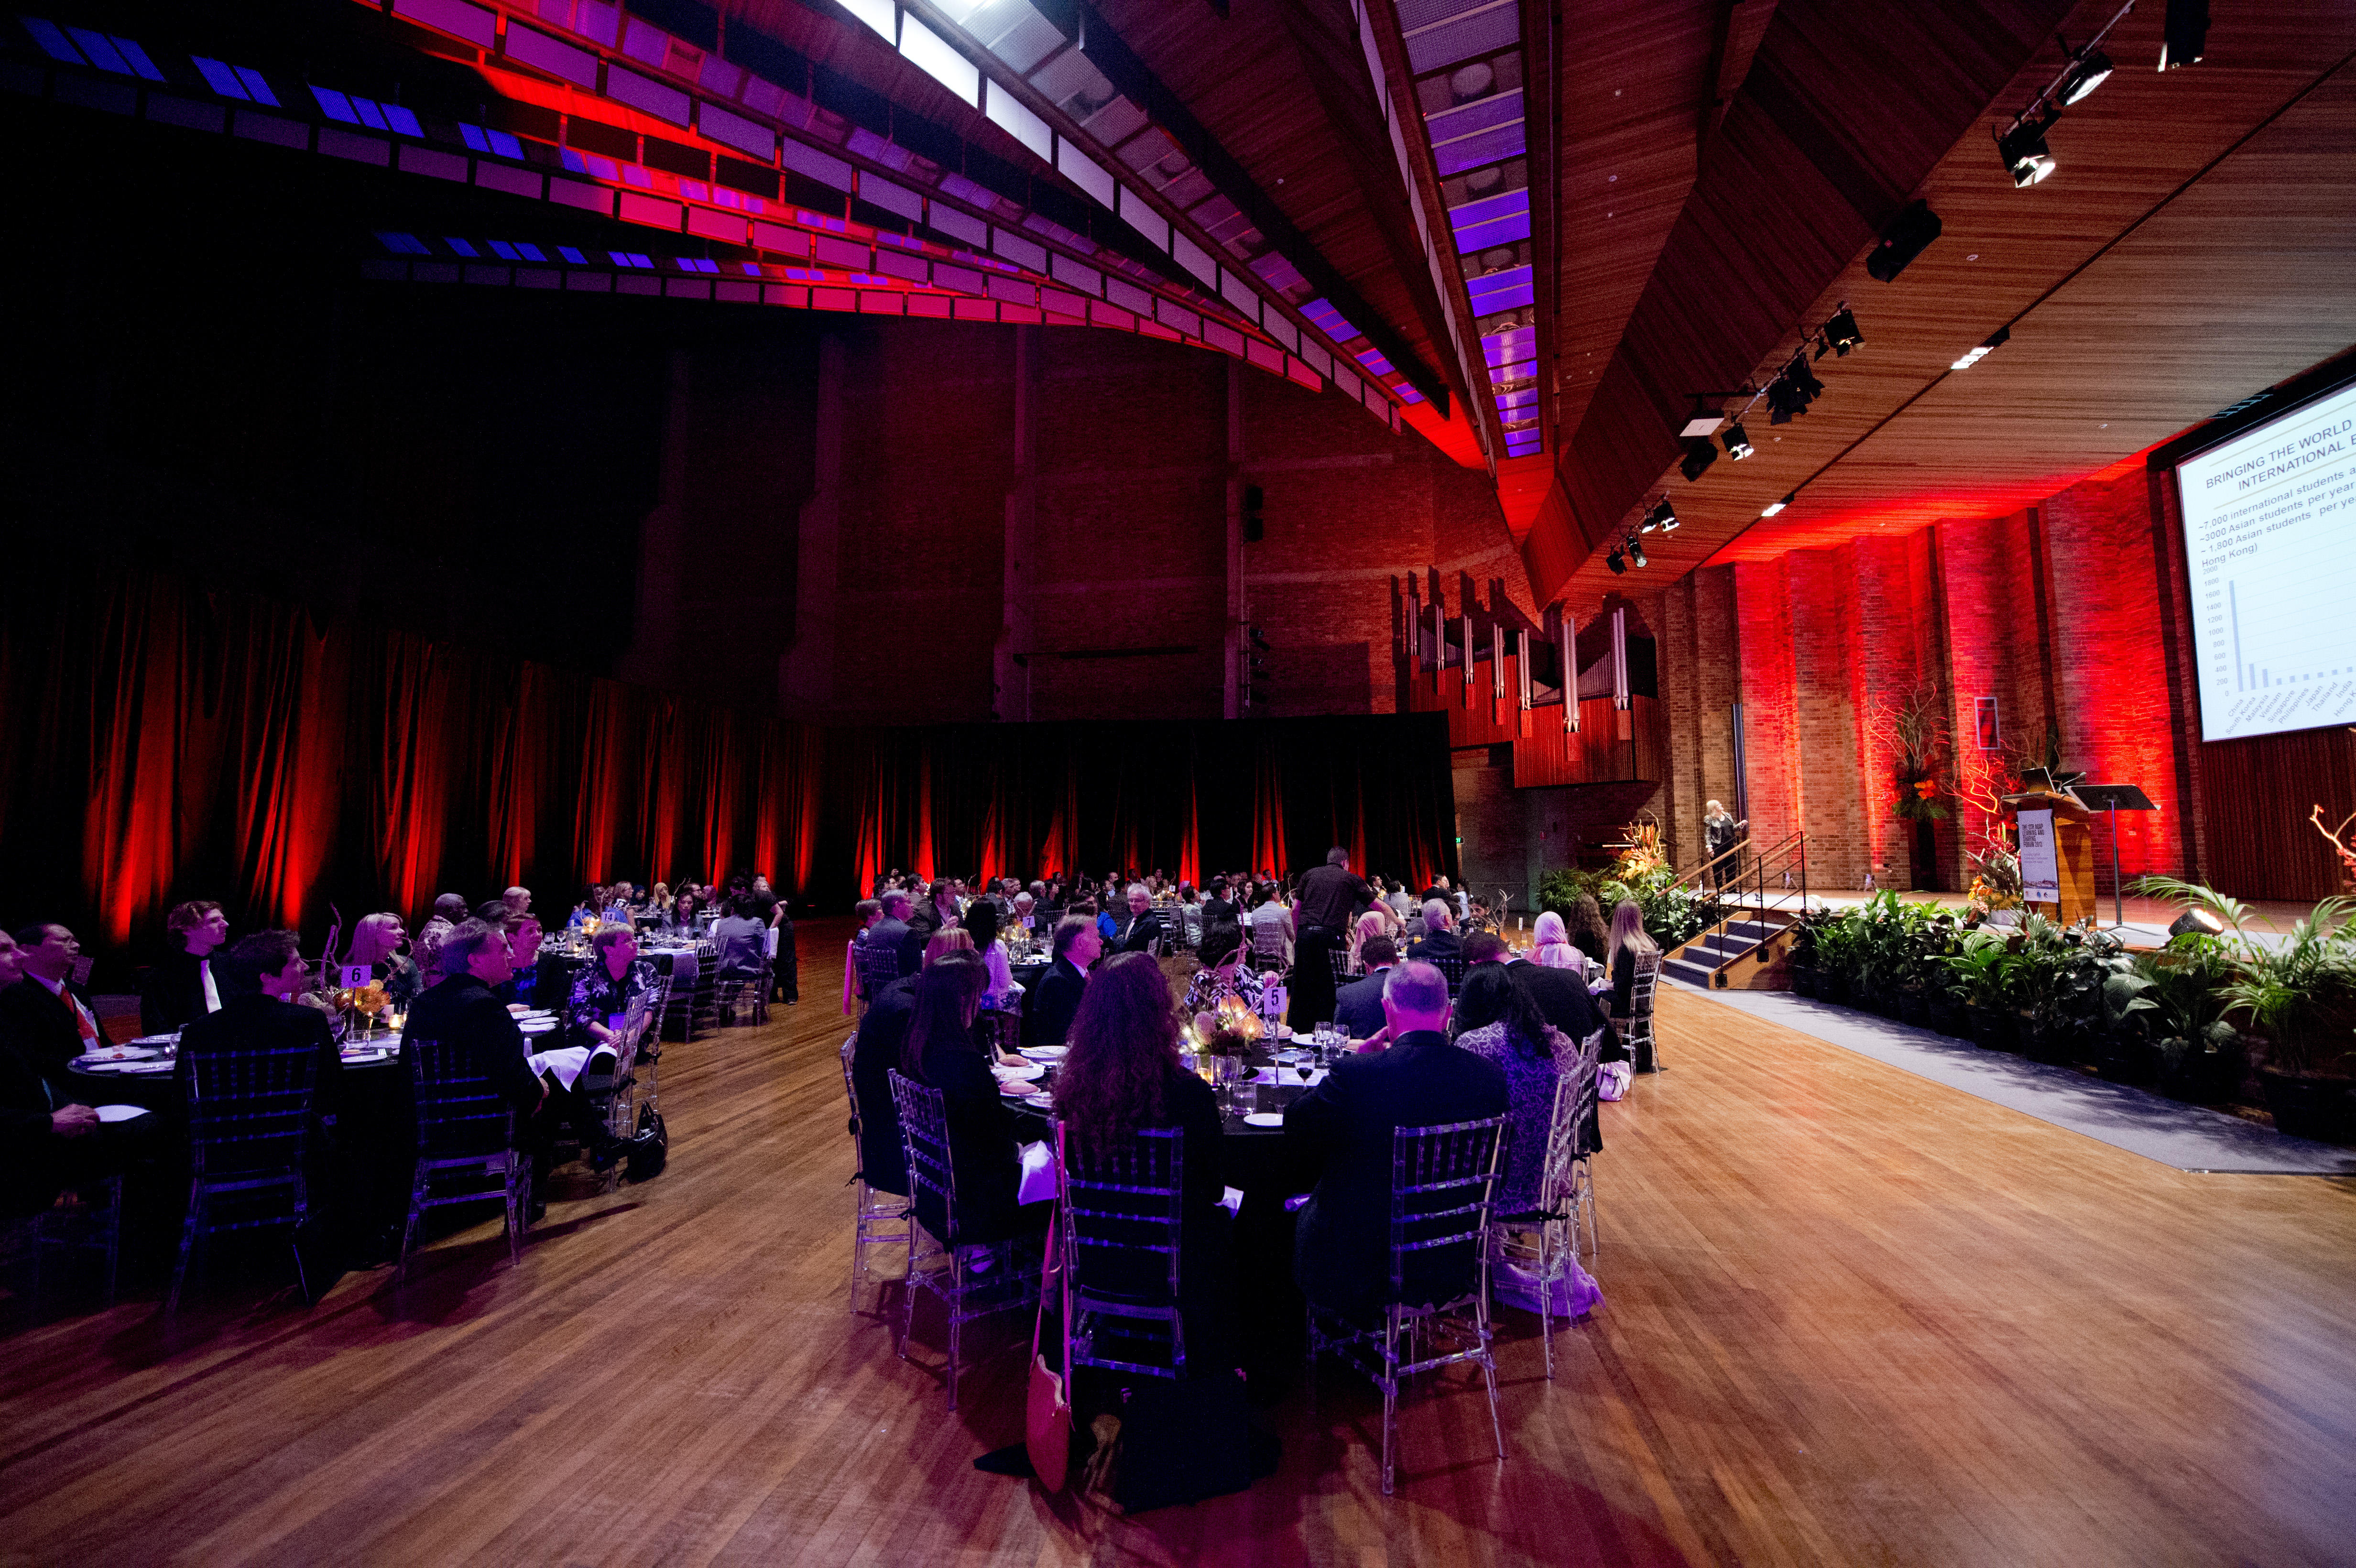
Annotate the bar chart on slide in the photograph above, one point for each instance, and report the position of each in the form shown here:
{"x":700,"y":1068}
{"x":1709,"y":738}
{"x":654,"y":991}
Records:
{"x":2270,"y":542}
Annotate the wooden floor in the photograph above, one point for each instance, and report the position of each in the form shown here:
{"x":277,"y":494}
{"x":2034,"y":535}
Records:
{"x":1850,"y":1316}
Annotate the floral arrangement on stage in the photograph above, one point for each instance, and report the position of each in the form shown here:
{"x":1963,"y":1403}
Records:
{"x":2339,"y":845}
{"x":1912,"y":731}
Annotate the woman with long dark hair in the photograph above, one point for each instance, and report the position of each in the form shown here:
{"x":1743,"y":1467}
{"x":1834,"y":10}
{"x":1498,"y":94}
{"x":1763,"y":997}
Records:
{"x":942,"y":1053}
{"x":1498,"y":1019}
{"x":1122,"y":1074}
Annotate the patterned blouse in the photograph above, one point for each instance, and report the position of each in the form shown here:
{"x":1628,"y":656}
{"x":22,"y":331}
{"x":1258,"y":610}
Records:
{"x":1529,"y":1099}
{"x":597,"y":996}
{"x":1211,"y":986}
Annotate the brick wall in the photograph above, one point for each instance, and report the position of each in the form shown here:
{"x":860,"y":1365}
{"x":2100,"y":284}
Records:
{"x":1130,"y":545}
{"x":1812,"y":641}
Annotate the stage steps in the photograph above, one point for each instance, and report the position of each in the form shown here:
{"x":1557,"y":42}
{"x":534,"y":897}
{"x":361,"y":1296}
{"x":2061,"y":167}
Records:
{"x":1715,"y":959}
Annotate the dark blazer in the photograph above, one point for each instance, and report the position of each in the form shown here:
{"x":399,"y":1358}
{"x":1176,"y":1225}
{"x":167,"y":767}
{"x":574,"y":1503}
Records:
{"x":1145,"y":930}
{"x":29,"y":1149}
{"x":43,"y":1028}
{"x":895,"y":934}
{"x":1343,"y":1128}
{"x":882,"y":1035}
{"x":174,"y":991}
{"x":1054,"y":1001}
{"x":982,"y":1151}
{"x":1436,"y":944}
{"x":461,"y":1011}
{"x":1560,"y":997}
{"x":257,"y":1022}
{"x":1359,"y":1006}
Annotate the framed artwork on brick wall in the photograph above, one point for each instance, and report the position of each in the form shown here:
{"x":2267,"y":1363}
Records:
{"x":1985,"y":723}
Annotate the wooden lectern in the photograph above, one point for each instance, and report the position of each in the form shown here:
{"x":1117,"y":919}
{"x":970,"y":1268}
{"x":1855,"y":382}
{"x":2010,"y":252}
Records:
{"x":2072,"y":848}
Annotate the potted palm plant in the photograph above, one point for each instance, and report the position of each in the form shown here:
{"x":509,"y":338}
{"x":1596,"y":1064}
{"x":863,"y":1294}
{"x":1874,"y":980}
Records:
{"x":1982,"y":966}
{"x":2200,"y":1053}
{"x":2299,"y":995}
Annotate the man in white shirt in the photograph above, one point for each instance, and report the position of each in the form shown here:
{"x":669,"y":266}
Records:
{"x":183,"y":986}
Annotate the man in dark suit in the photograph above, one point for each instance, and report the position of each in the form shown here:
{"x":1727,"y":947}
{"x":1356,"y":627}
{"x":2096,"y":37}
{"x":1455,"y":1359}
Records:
{"x":264,"y":973}
{"x":1359,"y":1006}
{"x":1138,"y":927}
{"x":1056,"y":997}
{"x":44,"y":1139}
{"x":1217,"y":908}
{"x":1439,"y":939}
{"x":45,"y":1015}
{"x":185,"y":982}
{"x":893,"y":931}
{"x":1560,"y":999}
{"x":461,"y":1011}
{"x":1408,"y":1076}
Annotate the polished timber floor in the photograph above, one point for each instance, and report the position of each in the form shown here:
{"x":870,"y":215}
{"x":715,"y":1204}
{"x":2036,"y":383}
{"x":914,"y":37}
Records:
{"x":1850,"y":1316}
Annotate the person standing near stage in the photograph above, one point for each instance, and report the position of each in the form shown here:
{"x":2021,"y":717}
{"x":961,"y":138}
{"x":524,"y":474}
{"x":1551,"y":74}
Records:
{"x":1329,"y":898}
{"x":1721,"y":834}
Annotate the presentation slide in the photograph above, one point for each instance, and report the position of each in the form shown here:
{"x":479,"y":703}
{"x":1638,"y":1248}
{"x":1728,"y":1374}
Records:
{"x":2270,"y":540}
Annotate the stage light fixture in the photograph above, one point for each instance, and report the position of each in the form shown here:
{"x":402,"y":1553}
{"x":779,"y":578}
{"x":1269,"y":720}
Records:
{"x":1664,"y":516}
{"x":1904,"y":237}
{"x":1700,"y":453}
{"x":2196,"y":922}
{"x":1996,"y":340}
{"x":1842,"y":330}
{"x":1774,"y":506}
{"x":2089,"y":69}
{"x":2023,"y":150}
{"x":1617,"y":562}
{"x":2186,"y":34}
{"x":1636,"y":551}
{"x":1738,"y":444}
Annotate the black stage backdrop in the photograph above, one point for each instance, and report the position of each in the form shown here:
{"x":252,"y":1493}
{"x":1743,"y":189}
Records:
{"x":166,"y":742}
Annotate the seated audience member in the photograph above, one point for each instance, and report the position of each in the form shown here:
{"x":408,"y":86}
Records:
{"x":742,"y":942}
{"x":1273,"y":932}
{"x":1550,"y":944}
{"x":689,"y":906}
{"x":1402,"y":903}
{"x":1188,"y":916}
{"x":866,"y":915}
{"x":266,"y":972}
{"x":1498,"y":1021}
{"x":376,"y":941}
{"x":460,"y":1011}
{"x":1359,"y":1006}
{"x":1439,"y":939}
{"x":518,"y":901}
{"x":604,"y":988}
{"x":45,"y":1015}
{"x":1223,"y":974}
{"x":881,"y":1042}
{"x":942,"y":1053}
{"x":895,"y":932}
{"x":1560,"y":995}
{"x":49,"y":1141}
{"x":426,"y":946}
{"x":939,"y":909}
{"x":982,"y":926}
{"x":182,"y":985}
{"x":492,"y":912}
{"x":1630,"y":943}
{"x":661,"y":906}
{"x":1589,"y":932}
{"x":1217,"y":909}
{"x":1410,"y":1076}
{"x":1025,"y":914}
{"x":523,"y":934}
{"x":1123,"y":1074}
{"x":1057,"y":998}
{"x":1138,"y":928}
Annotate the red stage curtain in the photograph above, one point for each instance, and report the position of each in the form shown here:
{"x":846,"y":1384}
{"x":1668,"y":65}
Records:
{"x":169,"y":742}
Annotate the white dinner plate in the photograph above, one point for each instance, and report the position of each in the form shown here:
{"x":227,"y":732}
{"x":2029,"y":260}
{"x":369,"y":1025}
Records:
{"x":156,"y":1040}
{"x":1040,"y":1102}
{"x":120,"y":1113}
{"x":1030,"y":1074}
{"x":1264,"y":1119}
{"x":538,"y":1026}
{"x":1046,"y":1052}
{"x":116,"y":1053}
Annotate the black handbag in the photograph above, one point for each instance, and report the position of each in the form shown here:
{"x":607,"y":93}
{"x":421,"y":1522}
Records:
{"x":649,"y":1153}
{"x":1181,"y":1442}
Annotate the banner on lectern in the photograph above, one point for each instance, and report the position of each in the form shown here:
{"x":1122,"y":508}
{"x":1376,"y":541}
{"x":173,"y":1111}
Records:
{"x":2040,"y":868}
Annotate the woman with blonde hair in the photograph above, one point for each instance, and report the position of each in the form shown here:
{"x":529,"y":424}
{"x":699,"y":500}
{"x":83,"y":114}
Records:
{"x":1629,"y":947}
{"x":376,"y":941}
